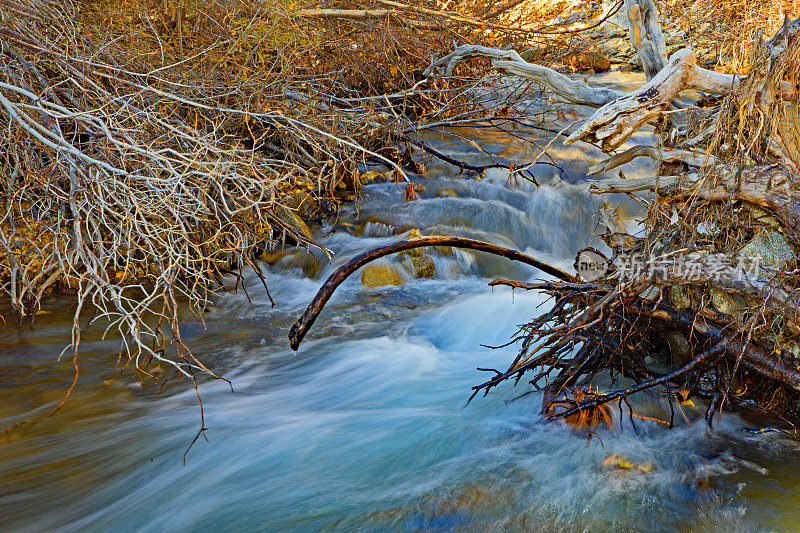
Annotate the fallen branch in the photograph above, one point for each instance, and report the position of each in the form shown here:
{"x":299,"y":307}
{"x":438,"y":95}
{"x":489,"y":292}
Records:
{"x":510,"y":62}
{"x":663,"y":155}
{"x":325,"y":292}
{"x":621,"y":394}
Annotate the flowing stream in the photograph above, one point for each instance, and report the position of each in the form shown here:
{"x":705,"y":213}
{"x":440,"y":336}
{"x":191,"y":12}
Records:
{"x":366,"y":428}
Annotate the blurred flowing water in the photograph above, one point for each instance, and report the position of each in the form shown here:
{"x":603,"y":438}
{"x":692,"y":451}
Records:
{"x":366,"y":427}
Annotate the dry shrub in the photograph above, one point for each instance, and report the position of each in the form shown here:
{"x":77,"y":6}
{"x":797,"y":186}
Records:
{"x":150,"y":148}
{"x":731,"y":27}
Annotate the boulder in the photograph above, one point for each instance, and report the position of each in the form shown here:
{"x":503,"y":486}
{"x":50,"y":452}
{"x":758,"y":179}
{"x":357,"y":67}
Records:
{"x":767,"y":252}
{"x":380,"y":276}
{"x":423,"y":266}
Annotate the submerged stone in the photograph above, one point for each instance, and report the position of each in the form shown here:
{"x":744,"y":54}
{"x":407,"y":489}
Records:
{"x":380,"y":276}
{"x":299,"y":258}
{"x":617,"y":461}
{"x":271,"y":257}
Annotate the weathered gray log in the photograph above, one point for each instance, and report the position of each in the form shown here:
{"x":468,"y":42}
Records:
{"x":564,"y":88}
{"x":644,"y":30}
{"x":665,"y":155}
{"x":768,"y":186}
{"x":614,"y":123}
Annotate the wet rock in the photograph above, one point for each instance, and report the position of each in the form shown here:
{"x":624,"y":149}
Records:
{"x":729,"y":304}
{"x":445,"y":250}
{"x":345,"y":227}
{"x":617,"y":461}
{"x":414,"y":252}
{"x":651,"y":293}
{"x":271,"y":257}
{"x":679,"y":347}
{"x":302,"y":260}
{"x":795,"y":352}
{"x":768,"y":251}
{"x":446,"y":193}
{"x":679,"y":297}
{"x":292,"y":219}
{"x":380,"y":276}
{"x":423,"y":266}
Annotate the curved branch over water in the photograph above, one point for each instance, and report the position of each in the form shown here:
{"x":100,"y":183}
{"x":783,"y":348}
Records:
{"x":325,"y":292}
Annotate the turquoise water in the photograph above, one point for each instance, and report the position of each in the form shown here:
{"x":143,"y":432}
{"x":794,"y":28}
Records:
{"x":366,"y":427}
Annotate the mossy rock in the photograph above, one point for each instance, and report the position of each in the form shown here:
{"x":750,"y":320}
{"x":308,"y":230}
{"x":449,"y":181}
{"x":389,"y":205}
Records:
{"x":380,"y":276}
{"x":679,"y":297}
{"x":617,"y":461}
{"x":271,"y":258}
{"x":762,"y":216}
{"x":446,"y":193}
{"x":292,"y":219}
{"x":445,"y":250}
{"x":424,"y":266}
{"x":729,"y":304}
{"x":413,"y":252}
{"x":303,"y":260}
{"x":770,"y":251}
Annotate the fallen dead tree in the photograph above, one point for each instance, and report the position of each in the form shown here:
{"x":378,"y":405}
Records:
{"x":705,"y":303}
